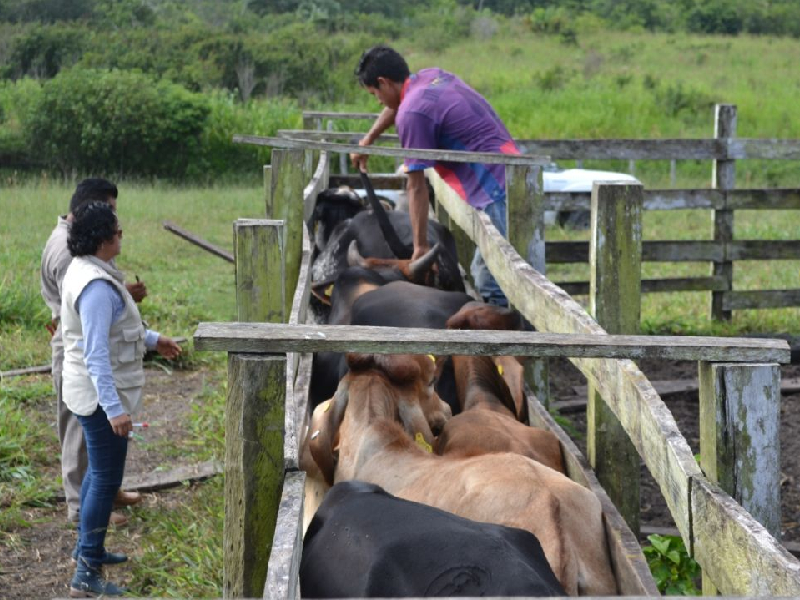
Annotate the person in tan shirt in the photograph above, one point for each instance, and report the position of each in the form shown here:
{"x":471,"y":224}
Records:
{"x":55,"y":261}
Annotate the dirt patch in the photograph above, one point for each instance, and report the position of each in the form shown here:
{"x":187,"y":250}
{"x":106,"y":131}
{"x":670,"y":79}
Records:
{"x":35,"y":561}
{"x":685,"y":409}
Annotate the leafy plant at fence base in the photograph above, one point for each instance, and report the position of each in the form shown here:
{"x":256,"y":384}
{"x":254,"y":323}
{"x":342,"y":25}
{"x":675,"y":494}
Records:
{"x":672,"y":567}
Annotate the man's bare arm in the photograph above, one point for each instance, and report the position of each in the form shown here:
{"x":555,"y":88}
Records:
{"x":418,"y":205}
{"x":381,"y":124}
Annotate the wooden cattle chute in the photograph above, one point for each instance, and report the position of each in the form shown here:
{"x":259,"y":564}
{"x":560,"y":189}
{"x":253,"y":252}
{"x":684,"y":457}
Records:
{"x":722,"y":251}
{"x":267,"y":391}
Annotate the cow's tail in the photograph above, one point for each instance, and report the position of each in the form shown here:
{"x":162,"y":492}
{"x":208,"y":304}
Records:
{"x":398,"y":248}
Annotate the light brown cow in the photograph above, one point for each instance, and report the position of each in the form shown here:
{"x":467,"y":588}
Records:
{"x":363,"y":439}
{"x":487,"y":422}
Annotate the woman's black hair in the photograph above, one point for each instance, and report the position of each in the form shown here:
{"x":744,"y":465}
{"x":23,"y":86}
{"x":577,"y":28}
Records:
{"x":93,"y":223}
{"x":381,"y":61}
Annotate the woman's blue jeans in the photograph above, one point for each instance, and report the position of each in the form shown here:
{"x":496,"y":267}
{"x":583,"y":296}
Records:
{"x":485,"y":284}
{"x":107,"y":452}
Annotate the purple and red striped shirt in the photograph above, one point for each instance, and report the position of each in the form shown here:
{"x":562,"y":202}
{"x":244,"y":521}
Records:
{"x":439,"y":111}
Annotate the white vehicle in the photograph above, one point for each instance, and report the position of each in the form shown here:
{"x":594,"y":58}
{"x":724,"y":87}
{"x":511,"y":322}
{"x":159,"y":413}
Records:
{"x":556,"y":179}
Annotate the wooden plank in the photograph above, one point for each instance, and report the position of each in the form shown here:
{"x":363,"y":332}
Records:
{"x":615,"y":303}
{"x":197,"y":241}
{"x":492,"y":158}
{"x":739,"y":436}
{"x":26,"y":371}
{"x":763,"y":250}
{"x":735,"y":551}
{"x":764,"y":148}
{"x":631,"y":570}
{"x":294,"y":416}
{"x":645,"y":417}
{"x":162,"y":480}
{"x":628,"y":149}
{"x":688,"y":251}
{"x":259,"y":264}
{"x":270,"y":338}
{"x":754,"y":199}
{"x":386,"y":181}
{"x":650,"y":286}
{"x":283,"y":575}
{"x":661,"y":251}
{"x":254,"y":421}
{"x":319,"y":182}
{"x":691,"y":199}
{"x":740,"y":300}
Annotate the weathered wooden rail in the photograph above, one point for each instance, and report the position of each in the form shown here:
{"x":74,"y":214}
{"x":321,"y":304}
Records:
{"x":265,"y":411}
{"x":724,"y":150}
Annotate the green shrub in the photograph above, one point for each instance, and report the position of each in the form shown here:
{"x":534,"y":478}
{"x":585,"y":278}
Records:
{"x":672,"y":567}
{"x":117,"y":123}
{"x":219,"y":155}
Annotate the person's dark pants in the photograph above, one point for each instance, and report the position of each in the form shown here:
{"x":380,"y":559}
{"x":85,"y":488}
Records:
{"x":103,"y":478}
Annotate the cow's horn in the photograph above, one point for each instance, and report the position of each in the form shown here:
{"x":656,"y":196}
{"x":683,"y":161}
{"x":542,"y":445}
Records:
{"x":354,"y":258}
{"x":418,"y":268}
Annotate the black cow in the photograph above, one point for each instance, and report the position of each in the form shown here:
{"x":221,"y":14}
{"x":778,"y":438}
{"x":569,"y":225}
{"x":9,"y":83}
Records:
{"x":366,"y":543}
{"x":365,"y":229}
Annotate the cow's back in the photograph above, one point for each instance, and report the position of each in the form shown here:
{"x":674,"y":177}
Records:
{"x":364,"y":542}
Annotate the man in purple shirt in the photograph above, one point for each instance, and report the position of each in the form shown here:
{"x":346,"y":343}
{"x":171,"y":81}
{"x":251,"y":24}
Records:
{"x":434,"y":109}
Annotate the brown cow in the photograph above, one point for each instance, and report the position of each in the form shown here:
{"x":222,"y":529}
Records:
{"x":364,"y":431}
{"x":487,"y":422}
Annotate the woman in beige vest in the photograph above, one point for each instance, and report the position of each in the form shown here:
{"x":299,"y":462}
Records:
{"x":104,"y":343}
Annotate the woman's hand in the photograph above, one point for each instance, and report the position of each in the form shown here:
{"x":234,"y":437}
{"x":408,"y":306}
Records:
{"x":122,"y":425}
{"x":167,"y":347}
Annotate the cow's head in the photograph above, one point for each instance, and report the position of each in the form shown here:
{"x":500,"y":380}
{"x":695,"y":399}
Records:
{"x":397,"y":388}
{"x":333,"y":206}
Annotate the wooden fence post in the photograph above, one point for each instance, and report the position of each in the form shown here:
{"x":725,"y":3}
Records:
{"x":268,"y":190}
{"x":723,"y":177}
{"x":525,"y":226}
{"x":254,"y":419}
{"x":254,"y":415}
{"x":739,"y":438}
{"x":258,"y":246}
{"x":288,"y":182}
{"x":615,"y":303}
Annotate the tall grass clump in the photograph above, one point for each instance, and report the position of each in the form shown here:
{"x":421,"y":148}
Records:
{"x":26,"y":444}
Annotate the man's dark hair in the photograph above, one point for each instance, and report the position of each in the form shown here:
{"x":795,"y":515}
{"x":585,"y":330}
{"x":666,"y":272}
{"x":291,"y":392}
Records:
{"x":93,"y":223}
{"x":90,"y":190}
{"x":381,"y":61}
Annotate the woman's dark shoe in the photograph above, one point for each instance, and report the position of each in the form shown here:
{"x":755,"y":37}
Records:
{"x":109,"y":558}
{"x":88,"y":582}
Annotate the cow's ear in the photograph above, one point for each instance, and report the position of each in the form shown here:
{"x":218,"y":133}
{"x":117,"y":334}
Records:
{"x":323,"y":290}
{"x":324,"y":431}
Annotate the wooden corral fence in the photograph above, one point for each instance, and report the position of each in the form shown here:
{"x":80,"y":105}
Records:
{"x":724,"y":149}
{"x":269,"y":365}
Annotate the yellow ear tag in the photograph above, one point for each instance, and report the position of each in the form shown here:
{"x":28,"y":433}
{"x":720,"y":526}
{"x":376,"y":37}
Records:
{"x":420,"y":440}
{"x":327,"y":406}
{"x":500,"y":369}
{"x":432,"y":357}
{"x":329,"y":290}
